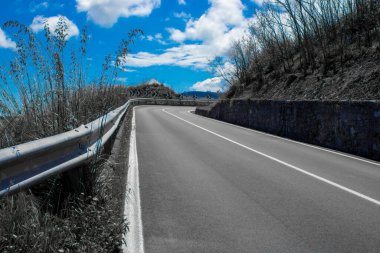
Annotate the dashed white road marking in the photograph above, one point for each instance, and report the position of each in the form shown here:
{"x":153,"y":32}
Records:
{"x":353,"y":192}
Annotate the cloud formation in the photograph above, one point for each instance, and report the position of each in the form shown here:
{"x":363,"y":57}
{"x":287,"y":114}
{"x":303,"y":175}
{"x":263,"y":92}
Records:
{"x":197,"y":56}
{"x":5,"y":42}
{"x":214,"y":23}
{"x":37,"y":7}
{"x":121,"y":79}
{"x":182,"y":15}
{"x":261,"y":2}
{"x":202,"y":39}
{"x":157,"y":37}
{"x":106,"y":12}
{"x":212,"y":84}
{"x":38,"y":25}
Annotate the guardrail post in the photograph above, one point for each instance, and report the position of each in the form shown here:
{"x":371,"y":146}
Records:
{"x":73,"y":180}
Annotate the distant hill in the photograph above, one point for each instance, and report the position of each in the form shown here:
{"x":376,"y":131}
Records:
{"x":149,"y":90}
{"x":158,"y":90}
{"x":201,"y":94}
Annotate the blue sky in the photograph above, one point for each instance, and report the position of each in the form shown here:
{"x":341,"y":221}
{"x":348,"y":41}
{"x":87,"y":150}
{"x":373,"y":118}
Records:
{"x":180,"y":36}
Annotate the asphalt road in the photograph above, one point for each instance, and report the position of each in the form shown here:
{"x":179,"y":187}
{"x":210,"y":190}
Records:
{"x":207,"y":186}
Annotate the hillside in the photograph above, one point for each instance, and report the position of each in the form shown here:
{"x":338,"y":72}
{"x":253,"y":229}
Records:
{"x":159,"y":90}
{"x":357,"y":78}
{"x":201,"y":94}
{"x":312,"y":51}
{"x":151,"y":90}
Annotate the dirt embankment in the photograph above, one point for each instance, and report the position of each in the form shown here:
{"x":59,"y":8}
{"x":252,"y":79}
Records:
{"x":356,"y":77}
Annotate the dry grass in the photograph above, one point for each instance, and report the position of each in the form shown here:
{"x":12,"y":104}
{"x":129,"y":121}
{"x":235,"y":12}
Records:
{"x":83,"y":224}
{"x":308,"y":49}
{"x":44,"y":91}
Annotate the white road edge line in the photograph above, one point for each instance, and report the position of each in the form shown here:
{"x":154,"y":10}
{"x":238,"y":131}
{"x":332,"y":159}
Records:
{"x":290,"y":140}
{"x":132,"y":205}
{"x":358,"y":194}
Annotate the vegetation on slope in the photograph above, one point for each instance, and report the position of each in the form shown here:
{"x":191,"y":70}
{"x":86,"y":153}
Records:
{"x":308,"y":49}
{"x":152,"y":89}
{"x":44,"y":91}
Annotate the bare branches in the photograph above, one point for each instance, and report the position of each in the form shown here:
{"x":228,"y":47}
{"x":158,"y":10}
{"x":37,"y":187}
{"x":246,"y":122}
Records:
{"x":303,"y":35}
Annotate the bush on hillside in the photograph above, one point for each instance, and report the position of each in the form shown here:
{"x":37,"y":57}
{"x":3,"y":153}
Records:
{"x":309,"y":47}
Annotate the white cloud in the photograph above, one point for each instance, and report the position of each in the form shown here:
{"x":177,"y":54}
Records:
{"x":157,"y":37}
{"x":36,"y":7}
{"x":197,"y":56}
{"x":261,"y":2}
{"x":182,"y":15}
{"x":5,"y":42}
{"x":38,"y":25}
{"x":121,"y":79}
{"x":176,"y":34}
{"x":106,"y":12}
{"x":153,"y":81}
{"x":212,"y":84}
{"x":202,"y":39}
{"x":127,"y":70}
{"x":122,"y":68}
{"x":213,"y":24}
{"x":181,"y":2}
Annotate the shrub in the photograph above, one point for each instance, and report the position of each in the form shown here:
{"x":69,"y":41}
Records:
{"x":44,"y":92}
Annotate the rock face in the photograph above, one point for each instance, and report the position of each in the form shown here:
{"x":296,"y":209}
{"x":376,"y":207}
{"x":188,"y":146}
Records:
{"x":348,"y":126}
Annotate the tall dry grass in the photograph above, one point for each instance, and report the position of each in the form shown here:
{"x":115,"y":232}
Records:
{"x":302,"y":37}
{"x":44,"y":91}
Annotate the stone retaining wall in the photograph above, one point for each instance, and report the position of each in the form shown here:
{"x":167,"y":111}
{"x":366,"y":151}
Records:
{"x":348,"y":126}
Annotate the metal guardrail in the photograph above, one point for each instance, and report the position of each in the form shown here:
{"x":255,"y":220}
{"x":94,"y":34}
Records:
{"x":27,"y":164}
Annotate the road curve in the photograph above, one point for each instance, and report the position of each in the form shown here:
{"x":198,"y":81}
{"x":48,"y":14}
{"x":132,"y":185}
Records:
{"x":207,"y":186}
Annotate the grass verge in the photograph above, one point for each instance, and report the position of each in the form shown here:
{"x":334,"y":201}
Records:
{"x":79,"y":221}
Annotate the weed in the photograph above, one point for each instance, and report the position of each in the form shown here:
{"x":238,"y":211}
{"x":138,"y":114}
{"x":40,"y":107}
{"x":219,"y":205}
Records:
{"x":44,"y":91}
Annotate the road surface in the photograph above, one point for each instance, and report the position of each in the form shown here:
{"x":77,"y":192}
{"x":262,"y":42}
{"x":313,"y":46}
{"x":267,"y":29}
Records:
{"x":207,"y":186}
